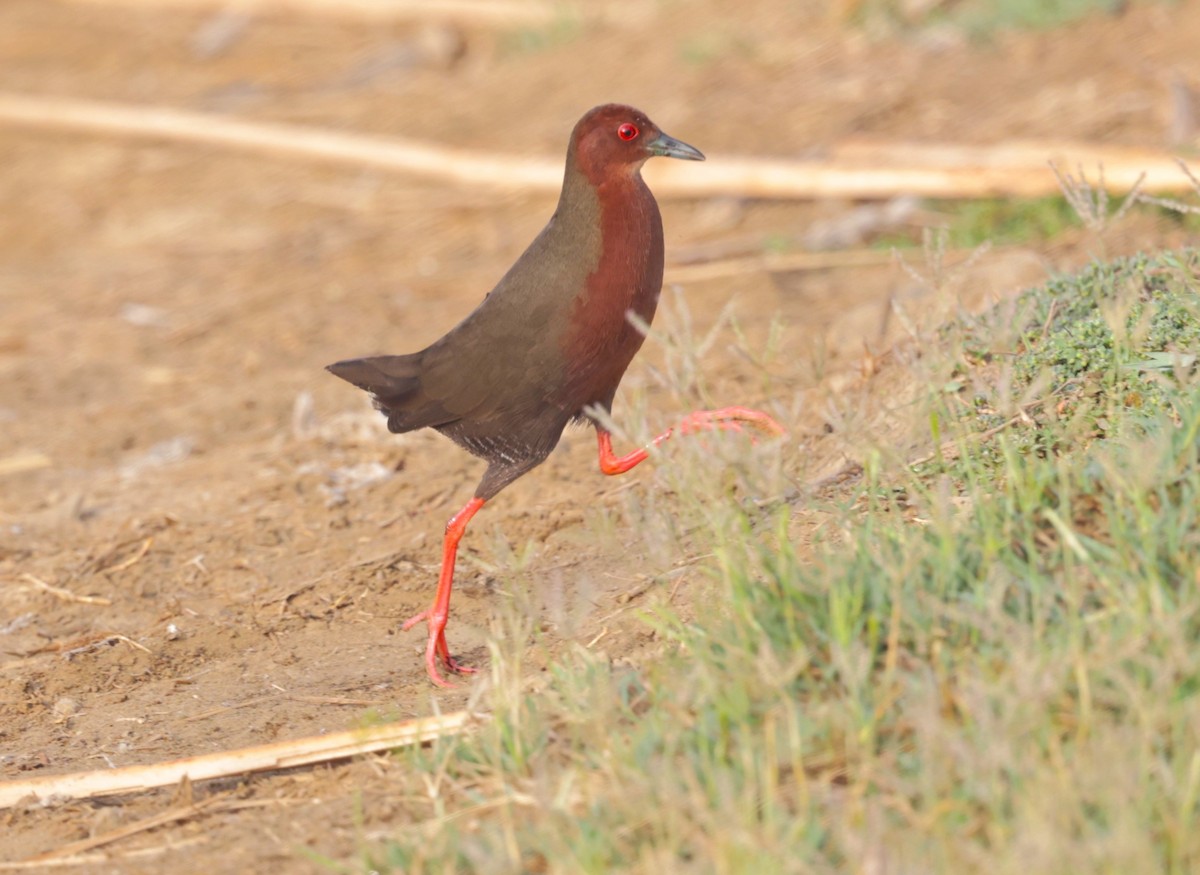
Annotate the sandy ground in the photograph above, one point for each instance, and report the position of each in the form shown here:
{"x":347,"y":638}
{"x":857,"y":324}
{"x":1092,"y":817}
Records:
{"x":232,"y":535}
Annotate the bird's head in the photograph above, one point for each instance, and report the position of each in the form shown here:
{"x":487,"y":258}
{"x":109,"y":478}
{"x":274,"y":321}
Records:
{"x":614,"y":138}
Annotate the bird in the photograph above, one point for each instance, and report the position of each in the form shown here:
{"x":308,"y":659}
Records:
{"x":549,"y":344}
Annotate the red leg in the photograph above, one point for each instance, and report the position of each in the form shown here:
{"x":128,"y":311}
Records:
{"x":726,"y":419}
{"x":439,"y":611}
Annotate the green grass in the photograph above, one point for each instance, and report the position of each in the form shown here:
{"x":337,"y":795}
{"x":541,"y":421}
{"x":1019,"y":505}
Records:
{"x":997,"y":221}
{"x":1004,"y":221}
{"x":993,"y":221}
{"x":1105,"y":353}
{"x":984,"y":661}
{"x":1014,"y":221}
{"x":1126,"y":322}
{"x":1011,"y":222}
{"x":983,"y":18}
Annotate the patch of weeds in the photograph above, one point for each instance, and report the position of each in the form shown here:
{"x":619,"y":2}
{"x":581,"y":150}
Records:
{"x":1091,"y":356}
{"x":1133,"y":325}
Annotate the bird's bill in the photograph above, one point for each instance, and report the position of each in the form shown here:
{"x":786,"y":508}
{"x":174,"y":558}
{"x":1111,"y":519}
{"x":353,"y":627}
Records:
{"x":669,"y":147}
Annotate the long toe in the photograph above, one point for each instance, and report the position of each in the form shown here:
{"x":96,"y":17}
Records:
{"x":451,"y":663}
{"x":763,"y":422}
{"x":456,"y":666}
{"x":731,"y":419}
{"x":412,"y":621}
{"x":756,"y":418}
{"x":431,"y":667}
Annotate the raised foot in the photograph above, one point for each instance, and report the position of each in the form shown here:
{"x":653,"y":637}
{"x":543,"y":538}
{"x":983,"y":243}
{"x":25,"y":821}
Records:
{"x":731,"y":419}
{"x":724,"y":419}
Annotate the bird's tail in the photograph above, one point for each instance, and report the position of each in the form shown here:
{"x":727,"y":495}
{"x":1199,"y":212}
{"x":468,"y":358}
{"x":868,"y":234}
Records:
{"x":394,"y":382}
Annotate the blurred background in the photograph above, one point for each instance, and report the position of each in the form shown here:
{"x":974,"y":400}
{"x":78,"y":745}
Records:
{"x":168,"y":439}
{"x":153,"y":288}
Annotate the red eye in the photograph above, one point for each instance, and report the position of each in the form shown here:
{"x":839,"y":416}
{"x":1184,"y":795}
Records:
{"x":627,"y":131}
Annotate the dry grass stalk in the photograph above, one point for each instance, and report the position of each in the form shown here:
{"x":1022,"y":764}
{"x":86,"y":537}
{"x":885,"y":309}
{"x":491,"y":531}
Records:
{"x":21,"y":462}
{"x":311,"y":700}
{"x":476,"y":13}
{"x":788,"y":262}
{"x":1008,"y":153}
{"x":973,"y":172}
{"x":173,"y":846}
{"x":1170,"y":203}
{"x":1090,"y":202}
{"x":79,"y":644}
{"x":778,"y":263}
{"x":141,"y":551}
{"x":267,"y":757}
{"x":182,"y":812}
{"x":65,"y":594}
{"x":101,"y":640}
{"x":70,"y":854}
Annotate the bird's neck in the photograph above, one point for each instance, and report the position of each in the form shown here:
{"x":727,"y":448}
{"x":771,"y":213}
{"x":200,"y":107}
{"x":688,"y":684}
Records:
{"x":587,"y":198}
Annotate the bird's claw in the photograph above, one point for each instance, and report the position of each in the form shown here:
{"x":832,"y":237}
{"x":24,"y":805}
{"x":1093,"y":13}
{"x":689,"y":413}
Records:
{"x":437,"y":647}
{"x":457,"y":667}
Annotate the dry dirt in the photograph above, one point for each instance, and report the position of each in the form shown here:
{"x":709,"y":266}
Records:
{"x":246,"y":535}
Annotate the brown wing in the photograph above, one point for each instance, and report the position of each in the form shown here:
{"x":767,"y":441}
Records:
{"x":501,"y":369}
{"x":505,"y":359}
